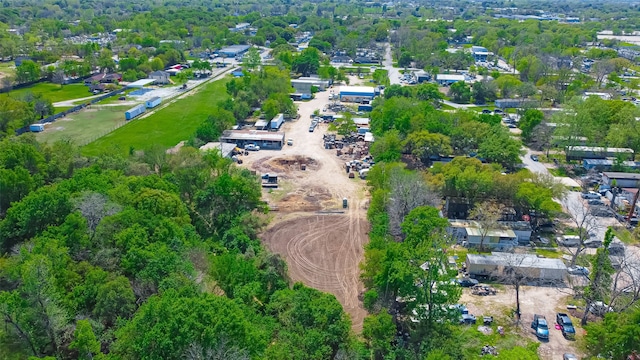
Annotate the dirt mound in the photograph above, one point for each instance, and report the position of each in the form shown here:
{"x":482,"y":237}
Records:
{"x":286,"y":165}
{"x":305,"y":199}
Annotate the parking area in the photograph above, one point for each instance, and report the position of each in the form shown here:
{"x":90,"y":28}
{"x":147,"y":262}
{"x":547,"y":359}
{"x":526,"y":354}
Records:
{"x":547,"y":301}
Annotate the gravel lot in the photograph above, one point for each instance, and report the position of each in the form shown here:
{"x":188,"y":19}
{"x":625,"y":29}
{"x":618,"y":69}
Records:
{"x":321,"y":242}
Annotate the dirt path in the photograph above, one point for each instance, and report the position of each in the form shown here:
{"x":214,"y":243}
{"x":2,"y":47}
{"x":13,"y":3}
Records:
{"x":322,"y":243}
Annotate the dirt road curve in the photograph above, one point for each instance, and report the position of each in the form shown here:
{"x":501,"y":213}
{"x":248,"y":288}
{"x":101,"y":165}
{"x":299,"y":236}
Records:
{"x":321,"y":242}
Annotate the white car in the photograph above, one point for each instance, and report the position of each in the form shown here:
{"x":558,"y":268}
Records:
{"x":252,"y":147}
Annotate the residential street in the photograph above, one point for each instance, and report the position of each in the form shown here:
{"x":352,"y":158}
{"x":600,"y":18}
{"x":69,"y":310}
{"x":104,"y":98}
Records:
{"x":394,"y":73}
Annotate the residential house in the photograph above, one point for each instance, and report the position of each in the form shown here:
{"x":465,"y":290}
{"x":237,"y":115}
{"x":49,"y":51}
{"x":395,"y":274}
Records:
{"x":160,"y":77}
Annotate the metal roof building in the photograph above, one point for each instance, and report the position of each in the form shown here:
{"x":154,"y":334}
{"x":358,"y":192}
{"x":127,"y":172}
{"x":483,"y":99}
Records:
{"x":234,"y":50}
{"x":141,"y":83}
{"x":225,"y":149}
{"x":535,"y":268}
{"x":264,"y":139}
{"x":356,"y":93}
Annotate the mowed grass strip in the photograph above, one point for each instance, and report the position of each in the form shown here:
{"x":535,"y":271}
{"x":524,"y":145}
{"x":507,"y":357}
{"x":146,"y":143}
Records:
{"x":53,"y":92}
{"x":84,"y":126}
{"x":166,"y":127}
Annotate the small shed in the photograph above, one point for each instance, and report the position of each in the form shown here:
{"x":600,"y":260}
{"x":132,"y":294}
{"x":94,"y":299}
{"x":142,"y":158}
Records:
{"x":262,"y":124}
{"x":225,"y":149}
{"x":36,"y":127}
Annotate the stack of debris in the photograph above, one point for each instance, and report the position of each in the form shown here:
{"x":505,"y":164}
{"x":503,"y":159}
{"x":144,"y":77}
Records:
{"x":489,"y":350}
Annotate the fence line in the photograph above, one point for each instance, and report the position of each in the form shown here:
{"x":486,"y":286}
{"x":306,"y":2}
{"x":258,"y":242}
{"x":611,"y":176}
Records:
{"x":76,"y":108}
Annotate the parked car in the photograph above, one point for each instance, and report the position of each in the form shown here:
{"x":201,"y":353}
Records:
{"x":566,"y":325}
{"x":498,"y":111}
{"x":512,"y":126}
{"x":486,"y":111}
{"x":290,"y":142}
{"x":591,"y":195}
{"x":312,"y":128}
{"x":534,"y":157}
{"x":595,"y":202}
{"x":599,"y":308}
{"x":467,"y":319}
{"x":539,"y":324}
{"x":252,"y":147}
{"x":578,"y":270}
{"x":593,"y":243}
{"x":568,"y":356}
{"x":467,"y":282}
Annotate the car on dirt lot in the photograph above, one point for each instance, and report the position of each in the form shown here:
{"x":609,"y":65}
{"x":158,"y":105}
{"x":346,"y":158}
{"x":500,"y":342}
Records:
{"x":482,"y":290}
{"x":593,"y":243}
{"x":290,"y":142}
{"x":566,"y":325}
{"x":568,"y":356}
{"x":252,"y":147}
{"x":539,"y":324}
{"x":467,"y":282}
{"x":578,"y":270}
{"x":467,"y":319}
{"x":595,"y":202}
{"x":534,"y":157}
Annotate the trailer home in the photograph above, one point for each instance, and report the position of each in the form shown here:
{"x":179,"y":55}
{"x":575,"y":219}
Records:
{"x":134,"y":111}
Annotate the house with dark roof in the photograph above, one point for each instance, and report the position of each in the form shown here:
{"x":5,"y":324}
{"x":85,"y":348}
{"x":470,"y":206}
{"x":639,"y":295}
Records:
{"x":103,"y":78}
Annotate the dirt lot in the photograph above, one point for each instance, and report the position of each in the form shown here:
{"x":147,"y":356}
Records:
{"x":545,"y":301}
{"x":321,"y":242}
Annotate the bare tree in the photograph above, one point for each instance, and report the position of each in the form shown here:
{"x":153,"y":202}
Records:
{"x":625,"y":290}
{"x":408,"y":191}
{"x":601,"y":69}
{"x":585,"y":223}
{"x":600,"y":280}
{"x":515,"y":272}
{"x":94,"y":207}
{"x":58,"y":77}
{"x":487,"y":214}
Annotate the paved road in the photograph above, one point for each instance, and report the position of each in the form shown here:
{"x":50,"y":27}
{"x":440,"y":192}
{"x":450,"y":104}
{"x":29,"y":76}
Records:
{"x":394,"y":73}
{"x":573,"y":204}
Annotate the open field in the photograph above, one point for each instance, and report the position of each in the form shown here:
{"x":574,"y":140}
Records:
{"x":84,"y":126}
{"x":54,"y":92}
{"x":322,"y":243}
{"x":7,"y":69}
{"x":168,"y":126}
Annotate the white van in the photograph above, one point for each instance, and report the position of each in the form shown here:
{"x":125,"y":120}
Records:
{"x":569,"y":240}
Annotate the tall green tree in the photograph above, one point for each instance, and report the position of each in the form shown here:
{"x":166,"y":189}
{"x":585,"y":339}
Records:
{"x":85,"y":342}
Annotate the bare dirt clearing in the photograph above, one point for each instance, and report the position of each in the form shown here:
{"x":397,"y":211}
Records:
{"x":322,"y":243}
{"x":545,"y":301}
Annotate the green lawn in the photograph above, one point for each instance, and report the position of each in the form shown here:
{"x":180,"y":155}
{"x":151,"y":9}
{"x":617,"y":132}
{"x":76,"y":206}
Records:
{"x":60,"y":109}
{"x":8,"y":68}
{"x":84,"y":126}
{"x":54,"y":92}
{"x":167,"y":126}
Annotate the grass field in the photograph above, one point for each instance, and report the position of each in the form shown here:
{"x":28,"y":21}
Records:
{"x":60,"y":109}
{"x":7,"y":68}
{"x":54,"y":92}
{"x":167,"y":126}
{"x":84,"y":126}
